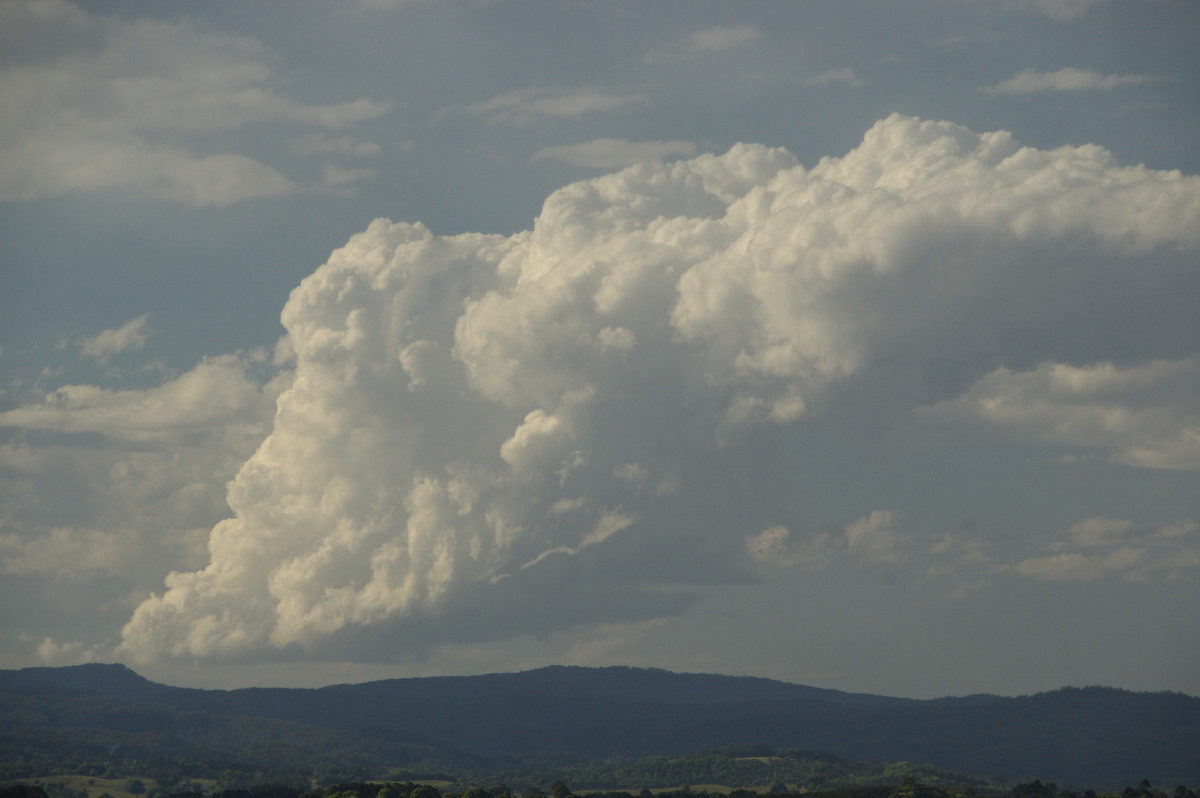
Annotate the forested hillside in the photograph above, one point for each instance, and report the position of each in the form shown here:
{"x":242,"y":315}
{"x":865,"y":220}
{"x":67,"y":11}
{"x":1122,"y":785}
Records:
{"x":1097,"y":737}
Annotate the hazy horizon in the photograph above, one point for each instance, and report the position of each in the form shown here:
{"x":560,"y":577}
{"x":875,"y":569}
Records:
{"x":322,"y":684}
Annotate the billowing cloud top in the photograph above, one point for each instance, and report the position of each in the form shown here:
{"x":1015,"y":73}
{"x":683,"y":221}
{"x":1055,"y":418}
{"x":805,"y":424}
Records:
{"x":489,"y":435}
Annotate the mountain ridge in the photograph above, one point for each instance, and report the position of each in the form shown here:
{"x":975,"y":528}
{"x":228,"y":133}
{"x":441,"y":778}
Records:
{"x":1091,"y":735}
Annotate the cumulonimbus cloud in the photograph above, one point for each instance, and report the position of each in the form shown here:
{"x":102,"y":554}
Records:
{"x":488,"y":435}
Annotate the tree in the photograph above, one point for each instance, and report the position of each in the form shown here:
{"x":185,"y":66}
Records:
{"x":22,"y":791}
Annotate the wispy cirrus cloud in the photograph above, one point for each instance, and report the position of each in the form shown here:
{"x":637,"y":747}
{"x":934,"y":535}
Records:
{"x":1029,"y":81}
{"x":536,"y":104}
{"x":609,"y":153}
{"x":844,"y":75}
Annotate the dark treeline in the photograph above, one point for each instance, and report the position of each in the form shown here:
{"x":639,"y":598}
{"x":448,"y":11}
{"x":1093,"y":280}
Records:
{"x":742,"y":766}
{"x":906,"y":788}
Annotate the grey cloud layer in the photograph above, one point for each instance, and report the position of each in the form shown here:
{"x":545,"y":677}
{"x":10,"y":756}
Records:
{"x":489,"y":435}
{"x":113,"y":103}
{"x":106,"y":491}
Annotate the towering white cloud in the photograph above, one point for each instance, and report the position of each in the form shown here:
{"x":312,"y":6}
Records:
{"x":488,"y":435}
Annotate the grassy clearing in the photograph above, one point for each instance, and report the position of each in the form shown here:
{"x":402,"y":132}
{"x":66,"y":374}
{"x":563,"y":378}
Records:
{"x":97,"y":785}
{"x":709,"y":788}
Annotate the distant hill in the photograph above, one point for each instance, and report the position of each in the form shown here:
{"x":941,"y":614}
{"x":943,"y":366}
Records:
{"x":1090,"y":737}
{"x":114,"y":680}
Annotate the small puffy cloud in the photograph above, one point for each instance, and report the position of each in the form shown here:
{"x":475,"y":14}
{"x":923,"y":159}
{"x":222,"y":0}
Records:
{"x":1098,"y":531}
{"x":590,"y":409}
{"x":953,"y":553}
{"x":770,"y":545}
{"x":93,"y":102}
{"x":607,"y":153}
{"x":55,"y":653}
{"x":956,"y":551}
{"x":702,"y":42}
{"x":536,"y":104}
{"x":130,"y":335}
{"x":1184,"y":558}
{"x":844,"y":75}
{"x":874,"y":539}
{"x":631,"y":472}
{"x":871,"y":539}
{"x":1057,"y":9}
{"x":1177,"y":529}
{"x":777,"y":546}
{"x":721,"y":38}
{"x":1029,"y":81}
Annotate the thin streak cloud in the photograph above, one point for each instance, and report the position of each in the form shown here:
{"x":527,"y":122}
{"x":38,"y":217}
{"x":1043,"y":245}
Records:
{"x":1029,"y":81}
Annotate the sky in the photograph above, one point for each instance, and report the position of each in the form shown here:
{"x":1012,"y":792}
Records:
{"x":853,"y":344}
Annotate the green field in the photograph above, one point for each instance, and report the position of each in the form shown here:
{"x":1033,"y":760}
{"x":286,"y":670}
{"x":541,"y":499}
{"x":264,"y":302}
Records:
{"x":97,"y":785}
